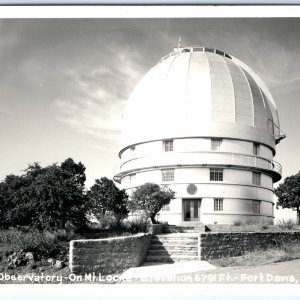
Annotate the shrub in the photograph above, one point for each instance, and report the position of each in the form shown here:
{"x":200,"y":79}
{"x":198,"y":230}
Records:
{"x":150,"y":197}
{"x":264,"y":226}
{"x":237,"y":223}
{"x":106,"y":221}
{"x":292,"y":250}
{"x":286,"y":225}
{"x":138,"y":224}
{"x":43,"y":244}
{"x":63,"y":235}
{"x":105,"y":197}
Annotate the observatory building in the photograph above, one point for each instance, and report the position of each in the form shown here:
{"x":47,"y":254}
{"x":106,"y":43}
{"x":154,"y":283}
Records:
{"x":204,"y":124}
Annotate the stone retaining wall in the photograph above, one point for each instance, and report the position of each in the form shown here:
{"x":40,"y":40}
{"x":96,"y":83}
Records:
{"x":217,"y":245}
{"x":245,"y":228}
{"x":108,"y":256}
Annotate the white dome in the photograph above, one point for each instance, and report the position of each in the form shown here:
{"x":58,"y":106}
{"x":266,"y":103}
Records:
{"x":198,"y":92}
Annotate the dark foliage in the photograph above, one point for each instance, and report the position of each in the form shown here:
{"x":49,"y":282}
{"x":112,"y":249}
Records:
{"x":105,"y":198}
{"x":45,"y":198}
{"x":288,"y":194}
{"x":150,"y":197}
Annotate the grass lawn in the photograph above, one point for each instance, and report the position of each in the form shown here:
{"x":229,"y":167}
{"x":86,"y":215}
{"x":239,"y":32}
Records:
{"x":261,"y":257}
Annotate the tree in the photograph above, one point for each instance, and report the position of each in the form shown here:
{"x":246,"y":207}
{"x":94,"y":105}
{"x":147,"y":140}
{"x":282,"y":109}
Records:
{"x":10,"y":193}
{"x":104,"y":197}
{"x":45,"y":198}
{"x":151,"y":198}
{"x":288,"y":194}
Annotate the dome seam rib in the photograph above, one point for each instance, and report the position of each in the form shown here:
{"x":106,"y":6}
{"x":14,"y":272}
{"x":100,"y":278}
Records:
{"x":171,"y":63}
{"x":233,"y":91}
{"x":188,"y":81}
{"x":265,"y":106}
{"x":248,"y":83}
{"x":256,"y":78}
{"x":211,"y":103}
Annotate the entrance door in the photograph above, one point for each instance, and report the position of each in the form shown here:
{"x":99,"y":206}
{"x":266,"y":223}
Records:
{"x":191,"y":209}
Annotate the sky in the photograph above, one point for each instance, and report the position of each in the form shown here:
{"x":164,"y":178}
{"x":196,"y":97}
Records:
{"x":64,"y":83}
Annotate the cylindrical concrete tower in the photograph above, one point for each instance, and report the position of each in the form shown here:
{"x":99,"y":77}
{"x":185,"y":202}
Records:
{"x":204,"y":124}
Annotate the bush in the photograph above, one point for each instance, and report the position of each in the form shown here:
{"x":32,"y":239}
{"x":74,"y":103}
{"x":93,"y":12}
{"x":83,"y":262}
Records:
{"x":63,"y":235}
{"x":286,"y":225}
{"x":150,"y":197}
{"x":291,"y":250}
{"x":106,"y":221}
{"x":137,"y":224}
{"x":109,"y":225}
{"x":237,"y":223}
{"x":264,"y":227}
{"x":43,"y":244}
{"x":106,"y":198}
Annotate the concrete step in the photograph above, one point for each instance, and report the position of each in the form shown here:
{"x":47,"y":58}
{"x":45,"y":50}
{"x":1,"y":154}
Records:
{"x":170,"y":258}
{"x":172,"y":252}
{"x":175,"y":236}
{"x":190,"y":224}
{"x":184,"y":229}
{"x":174,"y":242}
{"x":173,"y":247}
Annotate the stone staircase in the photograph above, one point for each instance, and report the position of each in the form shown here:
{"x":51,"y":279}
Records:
{"x":173,"y":247}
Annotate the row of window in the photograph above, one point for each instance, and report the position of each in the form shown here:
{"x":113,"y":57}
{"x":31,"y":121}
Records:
{"x":215,"y":146}
{"x":218,"y":205}
{"x":215,"y":174}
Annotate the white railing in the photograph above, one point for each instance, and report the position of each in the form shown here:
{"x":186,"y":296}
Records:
{"x":201,"y":158}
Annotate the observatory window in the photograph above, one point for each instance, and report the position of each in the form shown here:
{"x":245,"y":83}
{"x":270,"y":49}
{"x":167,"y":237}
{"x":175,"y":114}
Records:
{"x":198,"y":49}
{"x":168,"y":146}
{"x":218,"y":204}
{"x":256,"y":178}
{"x":219,"y":52}
{"x":255,"y":149}
{"x":216,"y":174}
{"x":216,"y":144}
{"x":256,"y":206}
{"x":167,"y":175}
{"x":185,"y":50}
{"x":209,"y":50}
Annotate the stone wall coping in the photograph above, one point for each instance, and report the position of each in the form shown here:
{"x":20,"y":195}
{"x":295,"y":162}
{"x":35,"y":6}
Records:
{"x":248,"y":232}
{"x":111,"y":239}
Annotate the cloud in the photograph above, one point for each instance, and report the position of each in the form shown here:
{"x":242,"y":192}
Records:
{"x":97,"y":95}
